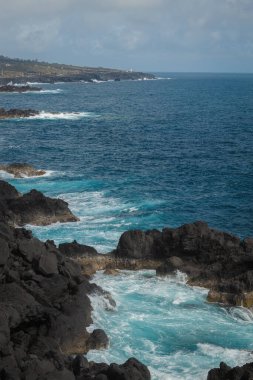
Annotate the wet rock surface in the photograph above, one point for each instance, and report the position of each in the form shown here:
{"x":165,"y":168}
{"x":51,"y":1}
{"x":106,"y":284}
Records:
{"x":32,"y":208}
{"x":225,"y":372}
{"x":16,"y":113}
{"x":21,"y":170}
{"x":211,"y":258}
{"x":13,"y":88}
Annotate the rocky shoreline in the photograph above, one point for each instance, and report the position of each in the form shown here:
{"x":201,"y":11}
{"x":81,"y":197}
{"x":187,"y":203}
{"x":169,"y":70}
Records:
{"x":27,"y":71}
{"x":24,"y":88}
{"x":45,"y":310}
{"x":16,"y":113}
{"x":19,"y":170}
{"x":46,"y":322}
{"x":31,"y":208}
{"x":44,"y":303}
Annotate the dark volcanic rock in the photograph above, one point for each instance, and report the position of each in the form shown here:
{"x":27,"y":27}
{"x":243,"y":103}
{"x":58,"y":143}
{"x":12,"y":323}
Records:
{"x":36,"y":208}
{"x":12,"y":88}
{"x":44,"y":312}
{"x":31,"y":208}
{"x":227,"y":373}
{"x":16,"y":113}
{"x":75,"y":249}
{"x":19,"y":170}
{"x":38,"y":305}
{"x":211,"y":258}
{"x":97,"y":340}
{"x":132,"y":369}
{"x":8,"y":191}
{"x":137,"y":244}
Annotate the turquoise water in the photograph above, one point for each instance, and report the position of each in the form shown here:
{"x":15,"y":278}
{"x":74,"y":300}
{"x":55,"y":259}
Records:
{"x":169,"y":326}
{"x":147,"y":154}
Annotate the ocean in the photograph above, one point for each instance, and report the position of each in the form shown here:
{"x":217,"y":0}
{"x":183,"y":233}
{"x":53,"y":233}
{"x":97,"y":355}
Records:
{"x":146,"y":154}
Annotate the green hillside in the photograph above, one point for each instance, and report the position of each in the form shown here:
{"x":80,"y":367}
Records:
{"x":20,"y":70}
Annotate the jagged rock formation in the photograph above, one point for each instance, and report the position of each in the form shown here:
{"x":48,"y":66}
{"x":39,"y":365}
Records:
{"x":31,"y":208}
{"x":16,"y":113}
{"x":21,"y":170}
{"x":44,"y":308}
{"x":132,"y":369}
{"x":44,"y":303}
{"x":227,"y":373}
{"x":211,"y":258}
{"x":44,"y":312}
{"x":11,"y":88}
{"x":92,"y":261}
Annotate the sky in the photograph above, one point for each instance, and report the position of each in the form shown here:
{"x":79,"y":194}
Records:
{"x":145,"y":35}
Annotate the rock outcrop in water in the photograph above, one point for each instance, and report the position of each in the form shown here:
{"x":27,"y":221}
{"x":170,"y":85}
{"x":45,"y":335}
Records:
{"x":12,"y":88}
{"x":213,"y":259}
{"x":21,"y":170}
{"x":31,"y":208}
{"x":44,"y":312}
{"x":14,"y":113}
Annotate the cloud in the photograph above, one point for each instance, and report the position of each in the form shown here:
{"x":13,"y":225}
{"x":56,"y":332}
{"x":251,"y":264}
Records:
{"x":38,"y":37}
{"x":94,"y":32}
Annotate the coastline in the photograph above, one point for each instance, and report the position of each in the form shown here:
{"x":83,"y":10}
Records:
{"x":106,"y":211}
{"x":135,"y":251}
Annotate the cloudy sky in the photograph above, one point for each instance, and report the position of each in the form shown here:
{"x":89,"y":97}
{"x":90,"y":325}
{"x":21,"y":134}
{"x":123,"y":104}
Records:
{"x":151,"y":35}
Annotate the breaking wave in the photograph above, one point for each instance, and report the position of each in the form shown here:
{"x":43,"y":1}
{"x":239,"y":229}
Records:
{"x":63,"y":115}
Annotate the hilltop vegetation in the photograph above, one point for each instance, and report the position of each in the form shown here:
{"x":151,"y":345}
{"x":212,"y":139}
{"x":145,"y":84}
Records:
{"x":20,"y":71}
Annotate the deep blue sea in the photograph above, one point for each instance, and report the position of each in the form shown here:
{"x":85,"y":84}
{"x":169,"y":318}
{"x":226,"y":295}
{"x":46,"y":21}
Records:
{"x":147,"y":154}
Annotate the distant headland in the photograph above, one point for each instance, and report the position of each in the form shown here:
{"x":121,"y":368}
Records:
{"x":23,"y":71}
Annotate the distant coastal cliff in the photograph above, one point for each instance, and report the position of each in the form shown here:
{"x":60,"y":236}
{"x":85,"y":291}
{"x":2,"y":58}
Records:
{"x":22,"y":71}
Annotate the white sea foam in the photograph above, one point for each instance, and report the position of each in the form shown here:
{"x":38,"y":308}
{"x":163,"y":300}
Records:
{"x":228,"y":355}
{"x":48,"y":173}
{"x":56,"y":91}
{"x":98,"y":81}
{"x":37,"y":83}
{"x":241,"y":314}
{"x":63,"y":115}
{"x":4,"y":174}
{"x":170,"y":313}
{"x":163,"y":78}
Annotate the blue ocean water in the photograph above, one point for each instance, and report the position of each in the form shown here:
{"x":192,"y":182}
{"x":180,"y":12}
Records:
{"x":147,"y":154}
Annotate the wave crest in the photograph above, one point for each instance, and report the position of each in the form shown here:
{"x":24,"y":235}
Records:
{"x":62,"y":115}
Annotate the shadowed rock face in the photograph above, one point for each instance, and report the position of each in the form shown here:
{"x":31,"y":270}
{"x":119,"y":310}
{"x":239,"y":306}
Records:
{"x":227,"y":373}
{"x":44,"y":307}
{"x":32,"y":208}
{"x":211,"y":258}
{"x":132,"y":369}
{"x":22,"y":170}
{"x":44,"y":312}
{"x":75,"y":249}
